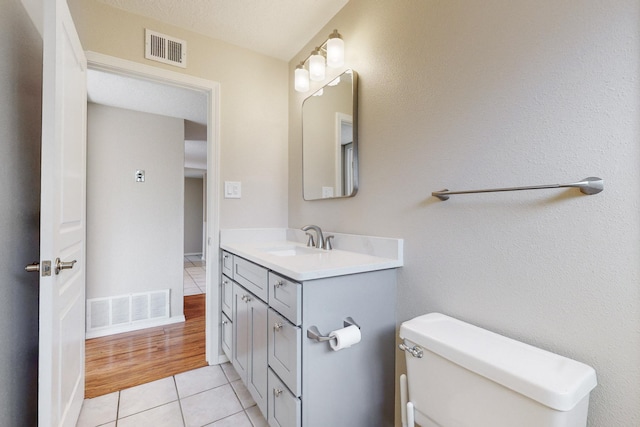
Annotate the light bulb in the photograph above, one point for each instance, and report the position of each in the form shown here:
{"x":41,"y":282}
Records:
{"x":301,"y":78}
{"x":316,"y":66}
{"x":335,"y":50}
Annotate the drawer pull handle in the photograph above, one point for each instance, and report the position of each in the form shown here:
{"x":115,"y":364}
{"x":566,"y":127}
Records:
{"x":224,"y":322}
{"x":279,"y":284}
{"x":277,"y":392}
{"x":277,"y":326}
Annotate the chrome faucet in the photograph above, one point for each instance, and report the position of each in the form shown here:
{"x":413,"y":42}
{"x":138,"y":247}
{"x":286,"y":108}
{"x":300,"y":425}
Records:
{"x":320,"y":243}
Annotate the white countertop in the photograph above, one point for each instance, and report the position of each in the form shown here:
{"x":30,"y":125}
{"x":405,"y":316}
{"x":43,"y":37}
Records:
{"x":316,"y":263}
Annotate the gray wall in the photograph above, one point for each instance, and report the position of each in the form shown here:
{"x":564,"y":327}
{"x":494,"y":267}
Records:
{"x":134,"y":230}
{"x":20,"y":92}
{"x":193,"y":215}
{"x":463,"y":95}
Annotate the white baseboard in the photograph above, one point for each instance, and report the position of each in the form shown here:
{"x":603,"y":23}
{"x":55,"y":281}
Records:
{"x":134,"y":327}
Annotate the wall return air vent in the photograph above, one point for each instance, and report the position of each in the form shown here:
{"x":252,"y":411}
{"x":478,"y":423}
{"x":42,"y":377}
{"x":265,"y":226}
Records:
{"x":165,"y":49}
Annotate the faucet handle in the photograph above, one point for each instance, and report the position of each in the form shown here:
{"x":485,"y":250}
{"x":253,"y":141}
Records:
{"x":310,"y":242}
{"x":327,"y":242}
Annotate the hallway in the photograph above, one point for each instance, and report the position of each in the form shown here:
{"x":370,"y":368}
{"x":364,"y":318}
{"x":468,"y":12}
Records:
{"x":194,"y":277}
{"x":116,"y":362}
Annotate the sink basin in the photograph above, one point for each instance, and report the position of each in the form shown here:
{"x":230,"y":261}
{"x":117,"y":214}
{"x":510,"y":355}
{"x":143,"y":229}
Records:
{"x":291,"y":251}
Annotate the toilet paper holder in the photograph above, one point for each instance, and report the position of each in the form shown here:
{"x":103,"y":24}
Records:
{"x":314,"y":334}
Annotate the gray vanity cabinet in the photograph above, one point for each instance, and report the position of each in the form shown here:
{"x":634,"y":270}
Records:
{"x":249,"y":342}
{"x":299,"y":381}
{"x":354,"y":386}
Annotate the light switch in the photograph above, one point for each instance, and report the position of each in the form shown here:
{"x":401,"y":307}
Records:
{"x":139,"y":175}
{"x":232,"y":190}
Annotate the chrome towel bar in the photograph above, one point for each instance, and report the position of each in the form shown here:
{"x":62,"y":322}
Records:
{"x":591,"y":185}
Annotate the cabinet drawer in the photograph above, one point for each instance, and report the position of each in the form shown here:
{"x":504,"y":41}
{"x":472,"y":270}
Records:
{"x":226,"y":296}
{"x":227,"y":264}
{"x":227,"y":336}
{"x":285,"y":351}
{"x":286,"y":297}
{"x":284,"y":407}
{"x":253,"y":277}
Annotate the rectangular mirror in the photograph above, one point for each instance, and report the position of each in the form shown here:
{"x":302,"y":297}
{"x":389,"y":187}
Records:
{"x":330,"y":140}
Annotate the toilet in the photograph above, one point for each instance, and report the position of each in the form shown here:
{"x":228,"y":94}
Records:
{"x":460,"y":375}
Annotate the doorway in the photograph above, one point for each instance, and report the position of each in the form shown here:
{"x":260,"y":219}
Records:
{"x":210,"y":90}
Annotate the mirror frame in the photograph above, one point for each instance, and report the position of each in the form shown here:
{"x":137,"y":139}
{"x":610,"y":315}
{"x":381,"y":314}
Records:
{"x":354,"y":115}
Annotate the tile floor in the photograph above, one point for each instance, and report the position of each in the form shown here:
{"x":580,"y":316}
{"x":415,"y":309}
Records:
{"x":194,"y":275}
{"x":211,"y":396}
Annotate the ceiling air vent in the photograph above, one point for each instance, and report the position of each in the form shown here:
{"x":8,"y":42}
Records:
{"x":165,"y":49}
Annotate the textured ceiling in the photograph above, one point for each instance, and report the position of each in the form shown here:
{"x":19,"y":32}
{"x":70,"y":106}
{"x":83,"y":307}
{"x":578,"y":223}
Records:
{"x":277,"y":28}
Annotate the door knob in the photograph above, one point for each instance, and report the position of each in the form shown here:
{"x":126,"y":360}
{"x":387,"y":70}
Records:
{"x":60,"y":265}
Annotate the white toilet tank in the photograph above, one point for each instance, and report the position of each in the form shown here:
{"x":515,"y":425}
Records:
{"x":460,"y":375}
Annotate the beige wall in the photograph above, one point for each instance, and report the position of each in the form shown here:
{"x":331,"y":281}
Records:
{"x":465,"y":95}
{"x":135,"y":231}
{"x":253,"y":105}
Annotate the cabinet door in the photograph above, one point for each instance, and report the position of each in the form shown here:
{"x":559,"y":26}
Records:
{"x":284,"y":407}
{"x":240,"y":338}
{"x":257,"y":376}
{"x":285,"y":350}
{"x":227,"y":336}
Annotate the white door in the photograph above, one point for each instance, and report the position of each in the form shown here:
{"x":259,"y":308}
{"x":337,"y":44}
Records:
{"x":62,"y":220}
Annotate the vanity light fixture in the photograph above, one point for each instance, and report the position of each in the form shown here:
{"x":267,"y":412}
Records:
{"x":317,"y":66}
{"x":335,"y":50}
{"x":302,"y":78}
{"x":332,"y":49}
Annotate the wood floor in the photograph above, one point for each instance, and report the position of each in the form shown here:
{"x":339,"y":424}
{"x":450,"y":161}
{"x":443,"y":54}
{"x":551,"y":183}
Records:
{"x":125,"y":360}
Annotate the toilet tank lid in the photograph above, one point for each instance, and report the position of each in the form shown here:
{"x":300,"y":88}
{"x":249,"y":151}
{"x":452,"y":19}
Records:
{"x":553,"y":380}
